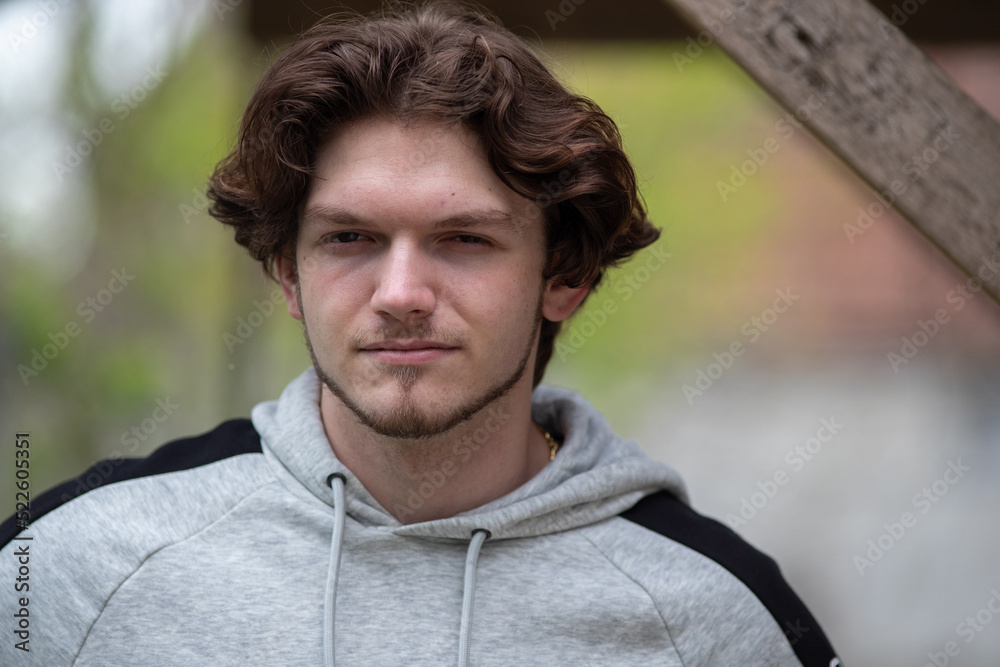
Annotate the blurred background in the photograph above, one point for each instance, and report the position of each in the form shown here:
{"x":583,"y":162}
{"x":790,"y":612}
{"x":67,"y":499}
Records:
{"x":120,"y":295}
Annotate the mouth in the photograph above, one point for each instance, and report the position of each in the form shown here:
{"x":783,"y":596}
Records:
{"x":408,"y":344}
{"x":408,"y":351}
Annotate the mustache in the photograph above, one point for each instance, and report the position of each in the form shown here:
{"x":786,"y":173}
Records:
{"x":423,"y":331}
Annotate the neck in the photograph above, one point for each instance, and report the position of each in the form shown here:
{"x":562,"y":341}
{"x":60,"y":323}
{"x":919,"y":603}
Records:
{"x":478,"y":461}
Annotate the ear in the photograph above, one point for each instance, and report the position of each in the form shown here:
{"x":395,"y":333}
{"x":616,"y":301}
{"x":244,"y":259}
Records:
{"x":560,"y":300}
{"x":287,"y":273}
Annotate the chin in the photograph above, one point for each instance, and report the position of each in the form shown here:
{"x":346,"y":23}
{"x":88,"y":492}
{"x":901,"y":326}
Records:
{"x":407,"y":417}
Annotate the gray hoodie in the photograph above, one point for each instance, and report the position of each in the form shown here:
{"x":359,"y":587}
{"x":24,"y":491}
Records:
{"x":254,"y":545}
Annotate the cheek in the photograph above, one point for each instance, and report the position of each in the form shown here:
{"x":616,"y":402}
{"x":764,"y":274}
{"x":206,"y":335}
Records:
{"x":332,"y":302}
{"x":500,"y":306}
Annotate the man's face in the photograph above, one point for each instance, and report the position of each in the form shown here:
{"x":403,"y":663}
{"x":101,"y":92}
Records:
{"x":418,"y":276}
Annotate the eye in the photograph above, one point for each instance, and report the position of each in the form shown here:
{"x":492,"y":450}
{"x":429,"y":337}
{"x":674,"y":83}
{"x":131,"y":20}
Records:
{"x":469,"y":239}
{"x":341,"y":238}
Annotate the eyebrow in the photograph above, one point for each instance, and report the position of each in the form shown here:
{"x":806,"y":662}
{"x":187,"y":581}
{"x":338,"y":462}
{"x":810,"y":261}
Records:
{"x":334,"y":215}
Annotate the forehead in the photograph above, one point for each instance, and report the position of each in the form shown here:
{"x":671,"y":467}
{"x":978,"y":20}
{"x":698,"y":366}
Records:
{"x":382,"y":168}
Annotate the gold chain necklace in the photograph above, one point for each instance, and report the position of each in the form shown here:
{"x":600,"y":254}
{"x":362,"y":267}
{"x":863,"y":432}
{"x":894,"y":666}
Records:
{"x":553,"y":445}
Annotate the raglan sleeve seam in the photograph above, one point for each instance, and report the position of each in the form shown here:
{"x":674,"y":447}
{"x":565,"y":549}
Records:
{"x":652,"y":598}
{"x":148,"y":556}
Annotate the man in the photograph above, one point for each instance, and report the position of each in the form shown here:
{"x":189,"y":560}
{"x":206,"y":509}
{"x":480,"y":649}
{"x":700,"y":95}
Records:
{"x":433,"y":203}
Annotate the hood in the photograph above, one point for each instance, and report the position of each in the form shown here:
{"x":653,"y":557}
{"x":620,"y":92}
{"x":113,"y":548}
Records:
{"x":596,"y":475}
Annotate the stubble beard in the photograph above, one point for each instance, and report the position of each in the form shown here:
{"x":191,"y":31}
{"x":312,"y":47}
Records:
{"x":407,"y":420}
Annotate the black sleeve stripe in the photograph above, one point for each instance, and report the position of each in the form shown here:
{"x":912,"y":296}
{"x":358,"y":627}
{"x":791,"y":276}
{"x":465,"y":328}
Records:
{"x":663,"y":513}
{"x":230,"y":438}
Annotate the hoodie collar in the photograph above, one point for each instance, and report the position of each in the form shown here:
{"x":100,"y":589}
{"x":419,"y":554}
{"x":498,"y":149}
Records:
{"x":595,"y":475}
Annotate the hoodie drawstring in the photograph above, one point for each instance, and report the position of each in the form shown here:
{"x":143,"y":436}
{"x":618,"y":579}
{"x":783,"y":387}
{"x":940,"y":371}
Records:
{"x":336,"y":482}
{"x":479,"y":535}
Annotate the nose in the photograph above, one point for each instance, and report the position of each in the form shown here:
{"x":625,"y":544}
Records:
{"x":404,"y":290}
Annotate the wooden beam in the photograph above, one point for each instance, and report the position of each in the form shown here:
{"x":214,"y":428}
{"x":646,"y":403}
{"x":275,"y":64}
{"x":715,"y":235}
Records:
{"x":879,"y":103}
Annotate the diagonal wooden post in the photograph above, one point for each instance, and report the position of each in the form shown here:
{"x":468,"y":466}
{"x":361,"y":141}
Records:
{"x":880,"y":104}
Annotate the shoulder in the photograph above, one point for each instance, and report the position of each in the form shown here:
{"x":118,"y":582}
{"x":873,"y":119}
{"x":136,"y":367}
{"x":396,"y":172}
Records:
{"x":229,"y":439}
{"x":88,"y":536}
{"x":721,"y":599}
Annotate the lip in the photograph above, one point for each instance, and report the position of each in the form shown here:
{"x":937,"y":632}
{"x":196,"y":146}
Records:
{"x":407,"y":344}
{"x":408,"y":351}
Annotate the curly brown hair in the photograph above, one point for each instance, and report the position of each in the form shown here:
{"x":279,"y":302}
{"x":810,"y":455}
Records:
{"x":443,"y":61}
